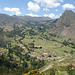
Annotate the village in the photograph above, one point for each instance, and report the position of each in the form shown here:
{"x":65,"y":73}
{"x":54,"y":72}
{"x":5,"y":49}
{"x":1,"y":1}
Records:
{"x":47,"y":56}
{"x":43,"y":56}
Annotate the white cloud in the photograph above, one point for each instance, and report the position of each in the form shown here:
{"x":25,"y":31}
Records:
{"x":15,"y":11}
{"x":53,"y":16}
{"x":60,"y":15}
{"x":0,"y":9}
{"x":33,"y":6}
{"x":56,"y":10}
{"x":45,"y":15}
{"x":32,"y":15}
{"x":45,"y":9}
{"x":49,"y":3}
{"x":70,"y":6}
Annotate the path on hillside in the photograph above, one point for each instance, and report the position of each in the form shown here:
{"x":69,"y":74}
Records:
{"x":50,"y":65}
{"x":47,"y":67}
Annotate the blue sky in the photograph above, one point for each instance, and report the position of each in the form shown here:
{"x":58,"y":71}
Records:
{"x":36,"y":8}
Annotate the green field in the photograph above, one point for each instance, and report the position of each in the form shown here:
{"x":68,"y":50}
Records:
{"x":49,"y":46}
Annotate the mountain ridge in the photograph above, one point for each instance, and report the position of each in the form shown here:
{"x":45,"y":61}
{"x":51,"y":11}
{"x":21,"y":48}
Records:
{"x":63,"y":26}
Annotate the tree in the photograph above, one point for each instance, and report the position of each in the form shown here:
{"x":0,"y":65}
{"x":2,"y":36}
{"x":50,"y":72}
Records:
{"x":31,"y":45}
{"x":53,"y":71}
{"x":71,"y":52}
{"x":71,"y":69}
{"x":25,"y":64}
{"x":35,"y":72}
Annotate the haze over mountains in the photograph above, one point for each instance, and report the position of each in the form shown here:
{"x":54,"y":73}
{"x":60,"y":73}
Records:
{"x":63,"y":26}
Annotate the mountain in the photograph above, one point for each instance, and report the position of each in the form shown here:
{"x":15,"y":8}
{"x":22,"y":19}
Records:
{"x":7,"y":22}
{"x":65,"y":25}
{"x":66,"y":19}
{"x":29,"y":18}
{"x":10,"y":20}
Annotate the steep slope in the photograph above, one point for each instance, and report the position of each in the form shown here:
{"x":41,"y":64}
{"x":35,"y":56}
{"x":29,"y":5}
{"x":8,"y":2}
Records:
{"x":67,"y":18}
{"x":65,"y":25}
{"x":7,"y":22}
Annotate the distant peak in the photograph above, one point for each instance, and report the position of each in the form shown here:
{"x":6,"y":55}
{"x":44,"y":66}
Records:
{"x":14,"y":15}
{"x":68,"y":11}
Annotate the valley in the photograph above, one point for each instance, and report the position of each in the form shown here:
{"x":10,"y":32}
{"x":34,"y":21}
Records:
{"x":28,"y":44}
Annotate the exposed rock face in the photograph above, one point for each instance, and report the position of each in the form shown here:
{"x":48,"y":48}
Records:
{"x":65,"y":25}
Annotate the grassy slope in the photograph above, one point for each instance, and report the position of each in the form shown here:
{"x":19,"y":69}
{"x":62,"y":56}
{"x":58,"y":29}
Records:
{"x":61,"y":67}
{"x":48,"y":45}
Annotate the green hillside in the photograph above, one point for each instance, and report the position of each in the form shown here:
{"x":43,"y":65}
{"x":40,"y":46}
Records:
{"x":31,"y":43}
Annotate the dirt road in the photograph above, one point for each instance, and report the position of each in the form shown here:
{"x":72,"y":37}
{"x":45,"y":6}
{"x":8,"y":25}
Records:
{"x":50,"y":65}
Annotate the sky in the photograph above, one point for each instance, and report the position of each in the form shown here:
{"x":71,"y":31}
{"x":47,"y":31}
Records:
{"x":36,"y":8}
